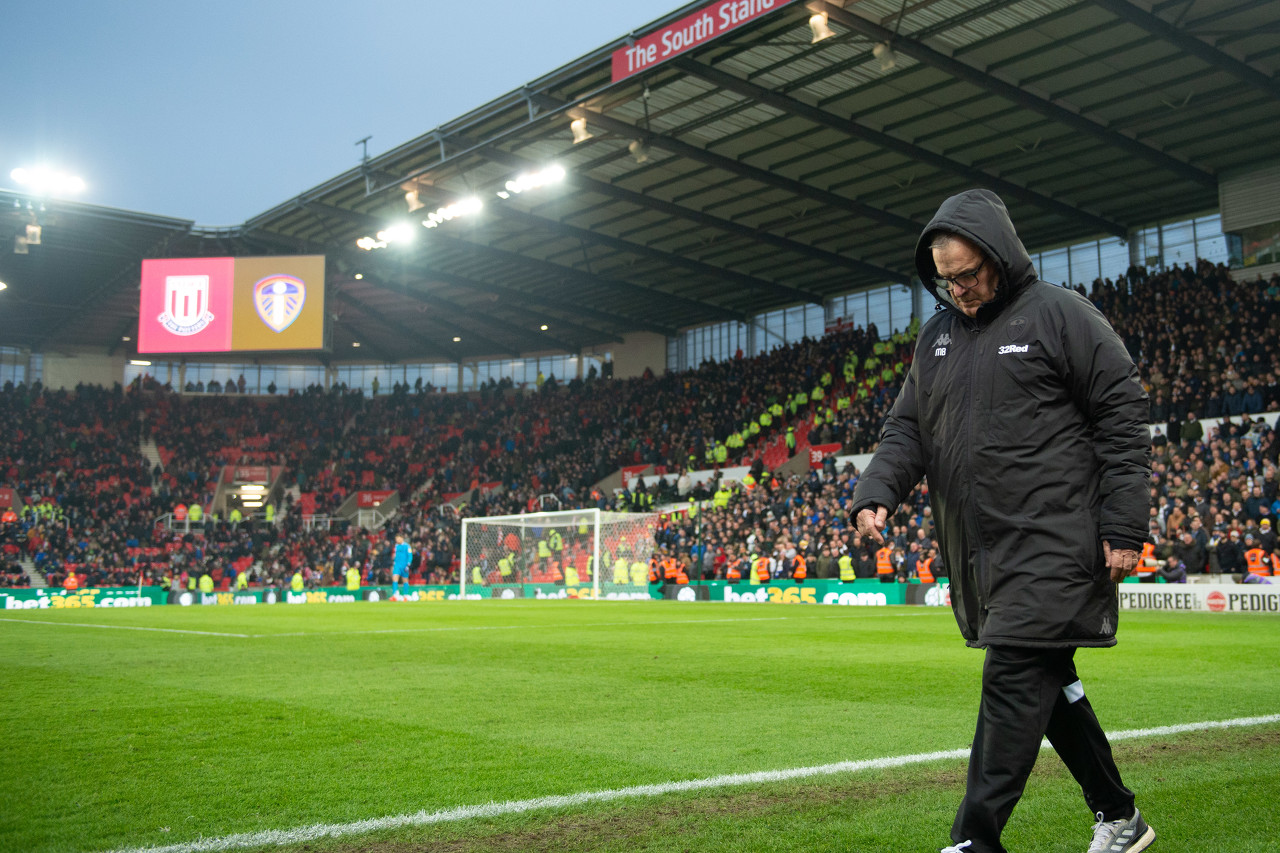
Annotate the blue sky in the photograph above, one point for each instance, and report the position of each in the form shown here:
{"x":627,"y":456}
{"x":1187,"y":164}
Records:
{"x":218,"y":111}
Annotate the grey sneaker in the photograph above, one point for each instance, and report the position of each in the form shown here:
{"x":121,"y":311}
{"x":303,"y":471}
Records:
{"x":1121,"y":836}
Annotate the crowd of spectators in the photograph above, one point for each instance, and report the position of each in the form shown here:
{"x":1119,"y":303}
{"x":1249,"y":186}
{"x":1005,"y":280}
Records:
{"x":1206,"y":347}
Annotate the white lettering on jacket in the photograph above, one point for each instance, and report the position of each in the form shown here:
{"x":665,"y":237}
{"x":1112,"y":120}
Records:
{"x":1004,"y":350}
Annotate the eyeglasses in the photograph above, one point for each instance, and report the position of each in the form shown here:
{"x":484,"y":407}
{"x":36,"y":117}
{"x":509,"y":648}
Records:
{"x":965,"y":280}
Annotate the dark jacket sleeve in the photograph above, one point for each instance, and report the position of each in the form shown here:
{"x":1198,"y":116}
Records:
{"x":1105,"y":386}
{"x":898,"y":462}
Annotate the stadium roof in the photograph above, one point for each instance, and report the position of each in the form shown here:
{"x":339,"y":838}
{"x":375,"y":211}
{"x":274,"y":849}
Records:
{"x":756,"y":170}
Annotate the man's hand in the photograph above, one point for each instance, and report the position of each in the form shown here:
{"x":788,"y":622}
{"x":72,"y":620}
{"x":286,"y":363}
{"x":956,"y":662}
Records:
{"x":871,"y":523}
{"x":1121,"y":561}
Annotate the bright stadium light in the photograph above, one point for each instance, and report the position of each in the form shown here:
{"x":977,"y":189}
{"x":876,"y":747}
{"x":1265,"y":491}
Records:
{"x":138,"y":362}
{"x":553,"y":174}
{"x":3,"y":285}
{"x":580,"y":131}
{"x":251,"y":503}
{"x":401,"y":232}
{"x":457,"y":340}
{"x":42,"y":180}
{"x":369,"y":244}
{"x":462,"y":207}
{"x":253,"y":487}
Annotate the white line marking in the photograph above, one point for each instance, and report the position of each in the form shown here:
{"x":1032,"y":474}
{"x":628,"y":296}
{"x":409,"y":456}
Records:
{"x":395,"y":630}
{"x":125,"y":627}
{"x":315,"y":832}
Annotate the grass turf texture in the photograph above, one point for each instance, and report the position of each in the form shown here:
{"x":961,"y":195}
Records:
{"x":345,"y":712}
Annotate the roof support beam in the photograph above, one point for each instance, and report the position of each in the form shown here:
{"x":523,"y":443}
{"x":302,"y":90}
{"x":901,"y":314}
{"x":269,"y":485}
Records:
{"x":852,"y":128}
{"x":697,"y":267}
{"x":763,"y":176}
{"x":531,"y":304}
{"x":715,"y":312}
{"x":1186,"y":43}
{"x":583,"y":279}
{"x":706,"y":220}
{"x":961,"y":71}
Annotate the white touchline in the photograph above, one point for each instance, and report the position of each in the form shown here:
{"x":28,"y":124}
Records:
{"x":125,"y":627}
{"x":318,"y":831}
{"x":392,"y":630}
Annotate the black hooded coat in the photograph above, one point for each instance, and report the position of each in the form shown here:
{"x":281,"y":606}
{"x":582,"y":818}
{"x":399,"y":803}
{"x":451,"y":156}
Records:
{"x":1029,"y":422}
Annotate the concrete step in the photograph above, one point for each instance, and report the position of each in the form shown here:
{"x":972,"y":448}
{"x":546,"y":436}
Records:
{"x":37,"y":579}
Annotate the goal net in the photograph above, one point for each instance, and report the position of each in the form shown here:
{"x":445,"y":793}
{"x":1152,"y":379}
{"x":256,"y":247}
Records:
{"x":584,"y":553}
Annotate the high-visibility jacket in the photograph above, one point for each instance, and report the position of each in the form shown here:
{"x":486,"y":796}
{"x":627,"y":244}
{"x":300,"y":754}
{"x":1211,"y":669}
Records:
{"x":733,"y":571}
{"x":791,"y":438}
{"x":721,"y":498}
{"x":668,"y":569}
{"x":693,"y":508}
{"x":242,"y":580}
{"x":924,"y":570}
{"x":620,"y":570}
{"x":884,"y":562}
{"x":748,"y":482}
{"x":236,"y":516}
{"x":762,"y":569}
{"x":722,"y":454}
{"x":477,"y":576}
{"x":653,"y":571}
{"x":553,"y":568}
{"x":296,"y":582}
{"x":555,"y":540}
{"x":72,"y":583}
{"x":353,"y":579}
{"x":544,"y":549}
{"x":270,"y":512}
{"x":639,"y":572}
{"x":570,"y":575}
{"x":195,"y":512}
{"x":506,"y":566}
{"x":846,"y":568}
{"x":681,"y":575}
{"x":1256,"y":561}
{"x":800,"y":571}
{"x":206,"y":584}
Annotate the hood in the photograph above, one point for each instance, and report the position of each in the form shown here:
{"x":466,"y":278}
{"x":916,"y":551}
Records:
{"x":980,"y":216}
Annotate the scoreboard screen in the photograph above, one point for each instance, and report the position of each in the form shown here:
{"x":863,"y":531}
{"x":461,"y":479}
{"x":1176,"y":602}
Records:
{"x":211,"y":305}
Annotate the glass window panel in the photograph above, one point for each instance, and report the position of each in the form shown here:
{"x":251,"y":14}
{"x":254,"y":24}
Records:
{"x":1084,"y":263}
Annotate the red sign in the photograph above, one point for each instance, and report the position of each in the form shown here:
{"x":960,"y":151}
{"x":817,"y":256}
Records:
{"x":1216,"y":601}
{"x":7,"y":497}
{"x":252,"y":474}
{"x":186,"y":305}
{"x":369,"y":500}
{"x":818,"y":452}
{"x":699,"y":28}
{"x":632,"y":472}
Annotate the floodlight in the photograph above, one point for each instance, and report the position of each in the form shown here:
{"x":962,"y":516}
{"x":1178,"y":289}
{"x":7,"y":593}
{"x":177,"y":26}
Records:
{"x":3,"y":285}
{"x":883,"y":51}
{"x":818,"y":26}
{"x":138,"y":362}
{"x":411,"y":197}
{"x":580,"y":132}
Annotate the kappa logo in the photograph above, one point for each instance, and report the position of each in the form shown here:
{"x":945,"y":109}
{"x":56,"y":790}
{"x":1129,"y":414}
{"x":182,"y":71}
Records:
{"x":941,"y":344}
{"x":186,"y":304}
{"x":279,"y":300}
{"x":1005,"y":350}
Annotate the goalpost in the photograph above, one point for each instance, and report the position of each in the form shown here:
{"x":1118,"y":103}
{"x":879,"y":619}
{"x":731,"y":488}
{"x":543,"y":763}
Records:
{"x":583,"y":553}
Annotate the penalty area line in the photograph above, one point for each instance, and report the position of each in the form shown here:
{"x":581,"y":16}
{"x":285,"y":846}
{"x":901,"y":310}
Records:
{"x":316,"y":832}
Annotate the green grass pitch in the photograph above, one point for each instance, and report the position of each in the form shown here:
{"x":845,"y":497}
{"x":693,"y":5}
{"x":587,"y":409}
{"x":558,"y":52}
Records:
{"x":160,"y":726}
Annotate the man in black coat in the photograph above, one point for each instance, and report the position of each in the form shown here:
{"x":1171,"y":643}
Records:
{"x":1024,"y":410}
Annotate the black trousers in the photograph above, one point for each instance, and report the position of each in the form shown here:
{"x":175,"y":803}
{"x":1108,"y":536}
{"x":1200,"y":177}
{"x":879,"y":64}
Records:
{"x":1028,"y":694}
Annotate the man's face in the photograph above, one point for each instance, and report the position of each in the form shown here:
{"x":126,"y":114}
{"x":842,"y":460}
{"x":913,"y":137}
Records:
{"x":958,"y":256}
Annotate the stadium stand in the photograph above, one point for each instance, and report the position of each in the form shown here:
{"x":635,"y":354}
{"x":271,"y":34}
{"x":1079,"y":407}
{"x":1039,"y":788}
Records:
{"x":1206,"y":347}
